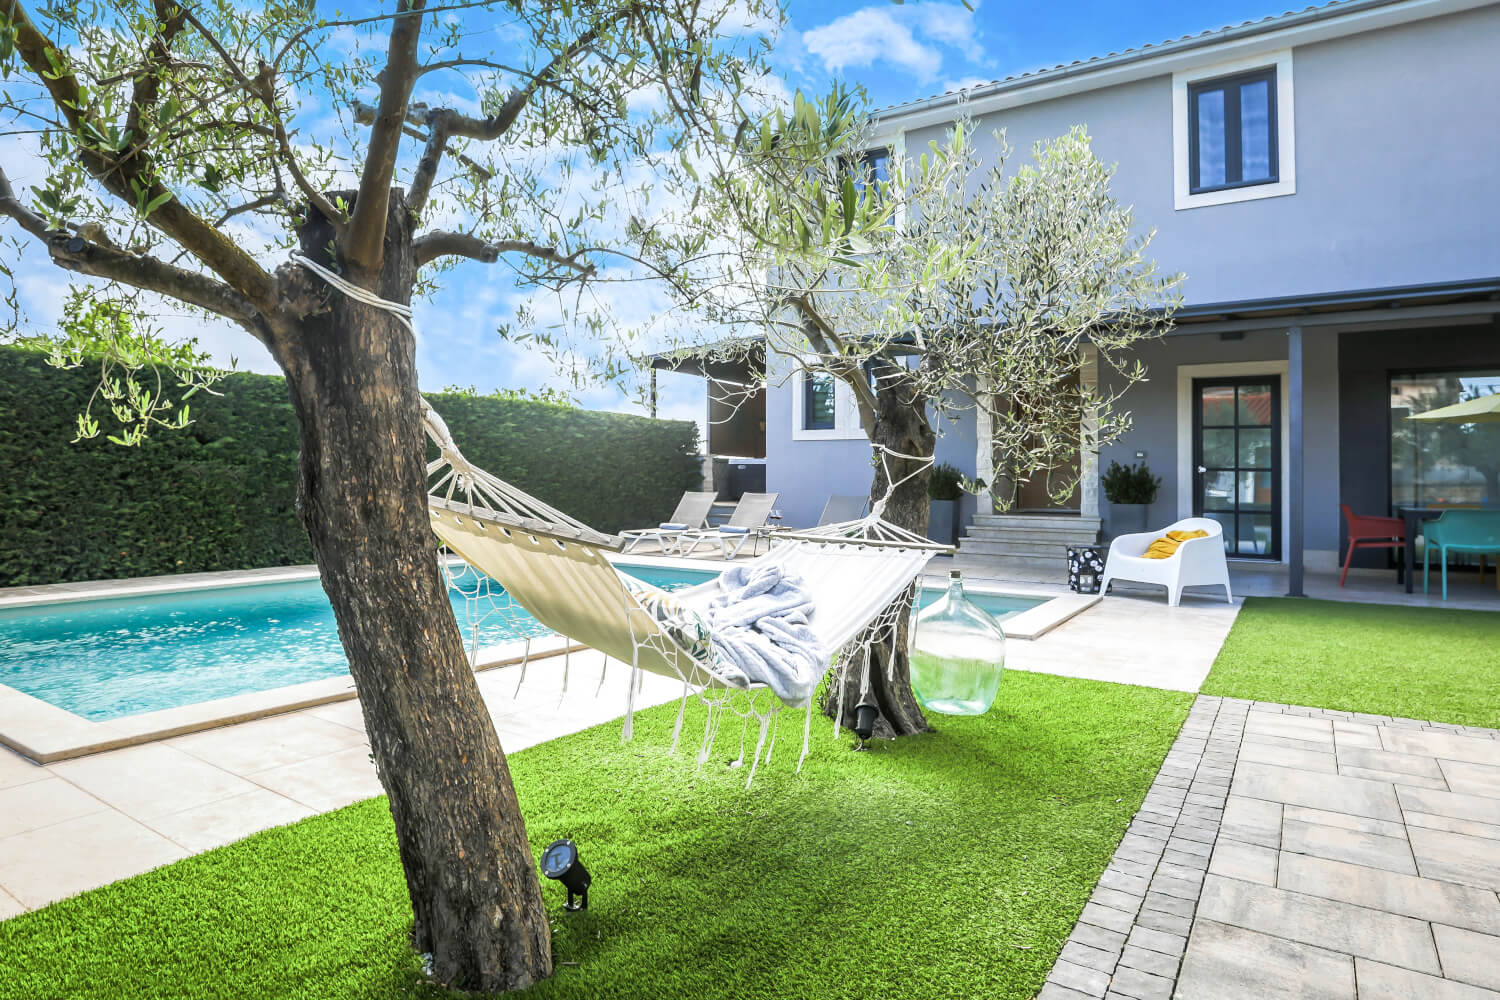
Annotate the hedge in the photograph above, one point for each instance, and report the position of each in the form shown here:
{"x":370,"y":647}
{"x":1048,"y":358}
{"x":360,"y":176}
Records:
{"x":220,"y":494}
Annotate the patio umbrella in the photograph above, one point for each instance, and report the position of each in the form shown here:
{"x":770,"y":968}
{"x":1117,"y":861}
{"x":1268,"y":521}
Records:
{"x":1484,"y":410}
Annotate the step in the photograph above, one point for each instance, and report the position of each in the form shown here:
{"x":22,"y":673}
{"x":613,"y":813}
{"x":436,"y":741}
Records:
{"x":1030,"y":547}
{"x":1037,"y":522}
{"x":1078,"y":537}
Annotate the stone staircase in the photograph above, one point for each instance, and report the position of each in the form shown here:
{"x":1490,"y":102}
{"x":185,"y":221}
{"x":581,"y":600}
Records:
{"x":1039,"y":540}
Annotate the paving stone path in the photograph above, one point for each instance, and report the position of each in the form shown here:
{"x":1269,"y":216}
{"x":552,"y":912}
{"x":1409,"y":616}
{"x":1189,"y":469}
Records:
{"x":1301,"y":853}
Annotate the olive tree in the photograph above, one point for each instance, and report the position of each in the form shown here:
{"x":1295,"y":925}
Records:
{"x":184,"y":150}
{"x":937,"y":283}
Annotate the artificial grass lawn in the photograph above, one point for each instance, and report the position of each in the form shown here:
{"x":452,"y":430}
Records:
{"x":1441,"y":664}
{"x":945,"y":865}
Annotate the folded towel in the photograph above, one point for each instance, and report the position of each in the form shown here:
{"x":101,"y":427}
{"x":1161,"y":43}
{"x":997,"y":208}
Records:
{"x":1166,"y":546}
{"x":759,"y":621}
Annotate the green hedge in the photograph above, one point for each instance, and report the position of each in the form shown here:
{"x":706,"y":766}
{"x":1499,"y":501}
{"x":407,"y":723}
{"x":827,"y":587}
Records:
{"x":220,"y":494}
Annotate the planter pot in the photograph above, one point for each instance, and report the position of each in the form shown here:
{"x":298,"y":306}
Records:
{"x":1126,"y":518}
{"x":942,"y":521}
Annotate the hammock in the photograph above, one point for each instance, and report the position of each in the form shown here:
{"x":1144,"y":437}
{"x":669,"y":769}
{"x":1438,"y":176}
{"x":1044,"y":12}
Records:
{"x":861,"y":574}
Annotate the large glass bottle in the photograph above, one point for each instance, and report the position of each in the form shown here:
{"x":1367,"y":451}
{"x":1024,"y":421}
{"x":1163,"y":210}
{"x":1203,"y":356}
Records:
{"x":957,"y":654}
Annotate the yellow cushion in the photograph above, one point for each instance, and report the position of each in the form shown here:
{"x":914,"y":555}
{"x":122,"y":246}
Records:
{"x":1166,"y":546}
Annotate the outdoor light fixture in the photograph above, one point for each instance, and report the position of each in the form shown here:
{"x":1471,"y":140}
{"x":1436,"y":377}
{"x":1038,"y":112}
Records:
{"x":560,"y":862}
{"x":864,"y":721}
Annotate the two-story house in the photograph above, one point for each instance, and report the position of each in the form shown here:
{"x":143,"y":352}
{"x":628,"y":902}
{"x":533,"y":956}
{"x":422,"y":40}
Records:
{"x":1329,"y":183}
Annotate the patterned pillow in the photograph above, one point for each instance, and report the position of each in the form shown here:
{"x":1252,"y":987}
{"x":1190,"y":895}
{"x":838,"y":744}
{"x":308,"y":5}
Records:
{"x":688,"y":629}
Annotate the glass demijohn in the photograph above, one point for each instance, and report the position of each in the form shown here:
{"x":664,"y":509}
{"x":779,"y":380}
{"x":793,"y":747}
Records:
{"x":957,"y":655}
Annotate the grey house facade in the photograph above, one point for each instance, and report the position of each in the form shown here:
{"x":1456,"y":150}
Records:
{"x":1329,"y":182}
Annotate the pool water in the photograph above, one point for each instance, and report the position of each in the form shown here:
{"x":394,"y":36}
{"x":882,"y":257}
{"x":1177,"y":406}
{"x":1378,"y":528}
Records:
{"x":103,"y":659}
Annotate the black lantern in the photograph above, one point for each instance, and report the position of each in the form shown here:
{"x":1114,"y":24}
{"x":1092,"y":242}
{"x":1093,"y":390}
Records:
{"x":1085,"y":568}
{"x":864,"y":721}
{"x":560,"y":862}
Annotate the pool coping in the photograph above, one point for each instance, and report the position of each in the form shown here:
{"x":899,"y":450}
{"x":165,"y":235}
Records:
{"x":46,"y":733}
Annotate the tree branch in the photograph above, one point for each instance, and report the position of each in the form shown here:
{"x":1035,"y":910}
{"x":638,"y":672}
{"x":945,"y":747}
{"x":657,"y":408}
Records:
{"x":442,"y":243}
{"x":221,"y":254}
{"x":147,"y":83}
{"x":99,"y":259}
{"x":364,"y":246}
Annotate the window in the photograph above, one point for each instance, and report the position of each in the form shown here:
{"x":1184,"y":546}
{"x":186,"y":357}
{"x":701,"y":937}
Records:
{"x":873,"y":165}
{"x":1232,"y":131}
{"x":819,"y":407}
{"x":1233,"y":137}
{"x":1439,"y":463}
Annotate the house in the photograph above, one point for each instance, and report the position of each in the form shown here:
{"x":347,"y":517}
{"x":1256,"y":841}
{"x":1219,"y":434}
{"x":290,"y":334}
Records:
{"x":1327,"y":180}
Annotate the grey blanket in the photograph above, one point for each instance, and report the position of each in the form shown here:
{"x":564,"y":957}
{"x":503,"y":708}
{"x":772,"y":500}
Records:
{"x":760,"y":619}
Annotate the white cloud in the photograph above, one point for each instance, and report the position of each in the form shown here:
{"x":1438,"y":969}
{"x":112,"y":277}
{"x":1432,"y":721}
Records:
{"x":910,"y":37}
{"x":966,"y":83}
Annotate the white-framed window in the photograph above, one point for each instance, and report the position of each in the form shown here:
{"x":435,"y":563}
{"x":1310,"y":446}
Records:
{"x":823,"y":408}
{"x":1233,"y":131}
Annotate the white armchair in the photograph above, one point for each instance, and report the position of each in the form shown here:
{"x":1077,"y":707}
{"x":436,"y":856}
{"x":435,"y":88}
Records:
{"x":1197,"y":561}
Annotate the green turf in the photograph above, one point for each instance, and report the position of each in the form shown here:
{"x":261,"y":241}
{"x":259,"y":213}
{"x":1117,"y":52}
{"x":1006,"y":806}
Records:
{"x":950,"y":865}
{"x":1420,"y":663}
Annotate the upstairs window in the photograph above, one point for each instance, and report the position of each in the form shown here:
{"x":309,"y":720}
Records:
{"x":1232,"y":131}
{"x":819,"y":406}
{"x":870,"y":167}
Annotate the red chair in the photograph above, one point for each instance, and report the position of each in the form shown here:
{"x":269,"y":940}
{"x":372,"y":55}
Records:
{"x":1371,"y":533}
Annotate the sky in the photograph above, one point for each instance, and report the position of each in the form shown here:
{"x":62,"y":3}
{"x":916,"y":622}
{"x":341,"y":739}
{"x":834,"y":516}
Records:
{"x":897,"y":52}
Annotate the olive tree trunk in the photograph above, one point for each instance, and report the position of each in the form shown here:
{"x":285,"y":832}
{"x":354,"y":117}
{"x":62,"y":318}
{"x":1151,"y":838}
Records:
{"x":351,"y":370}
{"x":901,"y":425}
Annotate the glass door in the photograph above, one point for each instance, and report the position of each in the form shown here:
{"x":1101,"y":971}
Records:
{"x":1237,"y":461}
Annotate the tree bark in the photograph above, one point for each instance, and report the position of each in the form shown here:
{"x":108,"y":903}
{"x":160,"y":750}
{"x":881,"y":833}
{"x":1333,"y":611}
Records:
{"x":901,"y":425}
{"x":362,"y":497}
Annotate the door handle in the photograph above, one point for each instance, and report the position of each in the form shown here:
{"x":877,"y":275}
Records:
{"x":1202,"y":469}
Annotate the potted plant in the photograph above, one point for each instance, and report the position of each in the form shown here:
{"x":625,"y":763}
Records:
{"x":1130,"y":489}
{"x":944,"y":487}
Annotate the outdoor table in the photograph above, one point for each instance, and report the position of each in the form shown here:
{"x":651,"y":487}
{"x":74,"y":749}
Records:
{"x":1414,"y":516}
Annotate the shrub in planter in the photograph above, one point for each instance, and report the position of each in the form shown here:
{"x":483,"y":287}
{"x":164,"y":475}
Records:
{"x":1130,"y":489}
{"x":944,"y":487}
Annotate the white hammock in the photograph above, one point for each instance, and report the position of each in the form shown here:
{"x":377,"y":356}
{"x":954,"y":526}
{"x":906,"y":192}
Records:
{"x":556,"y":568}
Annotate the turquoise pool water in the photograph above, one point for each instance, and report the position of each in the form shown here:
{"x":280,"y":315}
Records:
{"x":110,"y":658}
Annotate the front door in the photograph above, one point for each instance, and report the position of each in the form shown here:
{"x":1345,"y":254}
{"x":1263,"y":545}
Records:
{"x":1237,"y":461}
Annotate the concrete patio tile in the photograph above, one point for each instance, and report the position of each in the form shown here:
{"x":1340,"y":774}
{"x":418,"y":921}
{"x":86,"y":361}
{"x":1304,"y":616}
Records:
{"x":1348,"y":735}
{"x":228,"y":820}
{"x":66,"y":858}
{"x":1099,"y":959}
{"x":1410,"y":895}
{"x":1312,"y":742}
{"x":1141,"y":985}
{"x":1168,"y":904}
{"x":1370,"y":849}
{"x":1394,"y":777}
{"x":1308,"y":760}
{"x":1052,"y":991}
{"x":17,"y":770}
{"x":1472,"y":779}
{"x":1456,"y":858}
{"x":1089,"y":982}
{"x":1226,"y":962}
{"x":1364,"y":824}
{"x":1160,"y":941}
{"x":348,"y":714}
{"x":1116,"y":900}
{"x":42,"y":803}
{"x":1319,"y":791}
{"x":151,"y":780}
{"x":1094,"y":936}
{"x":10,"y":906}
{"x":1476,"y":808}
{"x":1464,"y":826}
{"x":1378,"y":981}
{"x":1250,"y":862}
{"x":1468,"y":956}
{"x":325,"y":783}
{"x":1289,"y":727}
{"x":1252,"y":821}
{"x":1153,"y":962}
{"x":1106,"y":917}
{"x":1169,"y":923}
{"x":1323,"y":923}
{"x":1385,"y":760}
{"x":267,"y":743}
{"x":1447,"y":746}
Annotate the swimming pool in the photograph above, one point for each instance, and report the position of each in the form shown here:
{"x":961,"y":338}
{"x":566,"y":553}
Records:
{"x":105,"y":659}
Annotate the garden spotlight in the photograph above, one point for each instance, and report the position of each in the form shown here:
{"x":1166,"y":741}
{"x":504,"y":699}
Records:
{"x":560,"y":862}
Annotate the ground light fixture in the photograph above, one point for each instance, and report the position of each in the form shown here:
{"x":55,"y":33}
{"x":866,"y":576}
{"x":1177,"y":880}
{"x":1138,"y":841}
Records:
{"x":864,"y":721}
{"x":560,"y":863}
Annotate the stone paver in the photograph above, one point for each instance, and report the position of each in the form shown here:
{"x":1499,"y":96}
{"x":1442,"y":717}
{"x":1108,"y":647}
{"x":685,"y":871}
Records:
{"x":1300,"y":853}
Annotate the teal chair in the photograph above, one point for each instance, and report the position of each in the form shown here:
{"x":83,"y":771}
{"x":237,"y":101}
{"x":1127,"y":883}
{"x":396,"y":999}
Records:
{"x":1476,"y":531}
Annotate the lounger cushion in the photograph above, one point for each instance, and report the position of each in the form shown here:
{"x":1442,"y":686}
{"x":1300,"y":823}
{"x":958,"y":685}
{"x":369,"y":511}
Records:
{"x":731,"y":530}
{"x":670,"y":526}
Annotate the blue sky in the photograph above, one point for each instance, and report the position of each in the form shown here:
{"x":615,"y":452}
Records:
{"x":898,"y":52}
